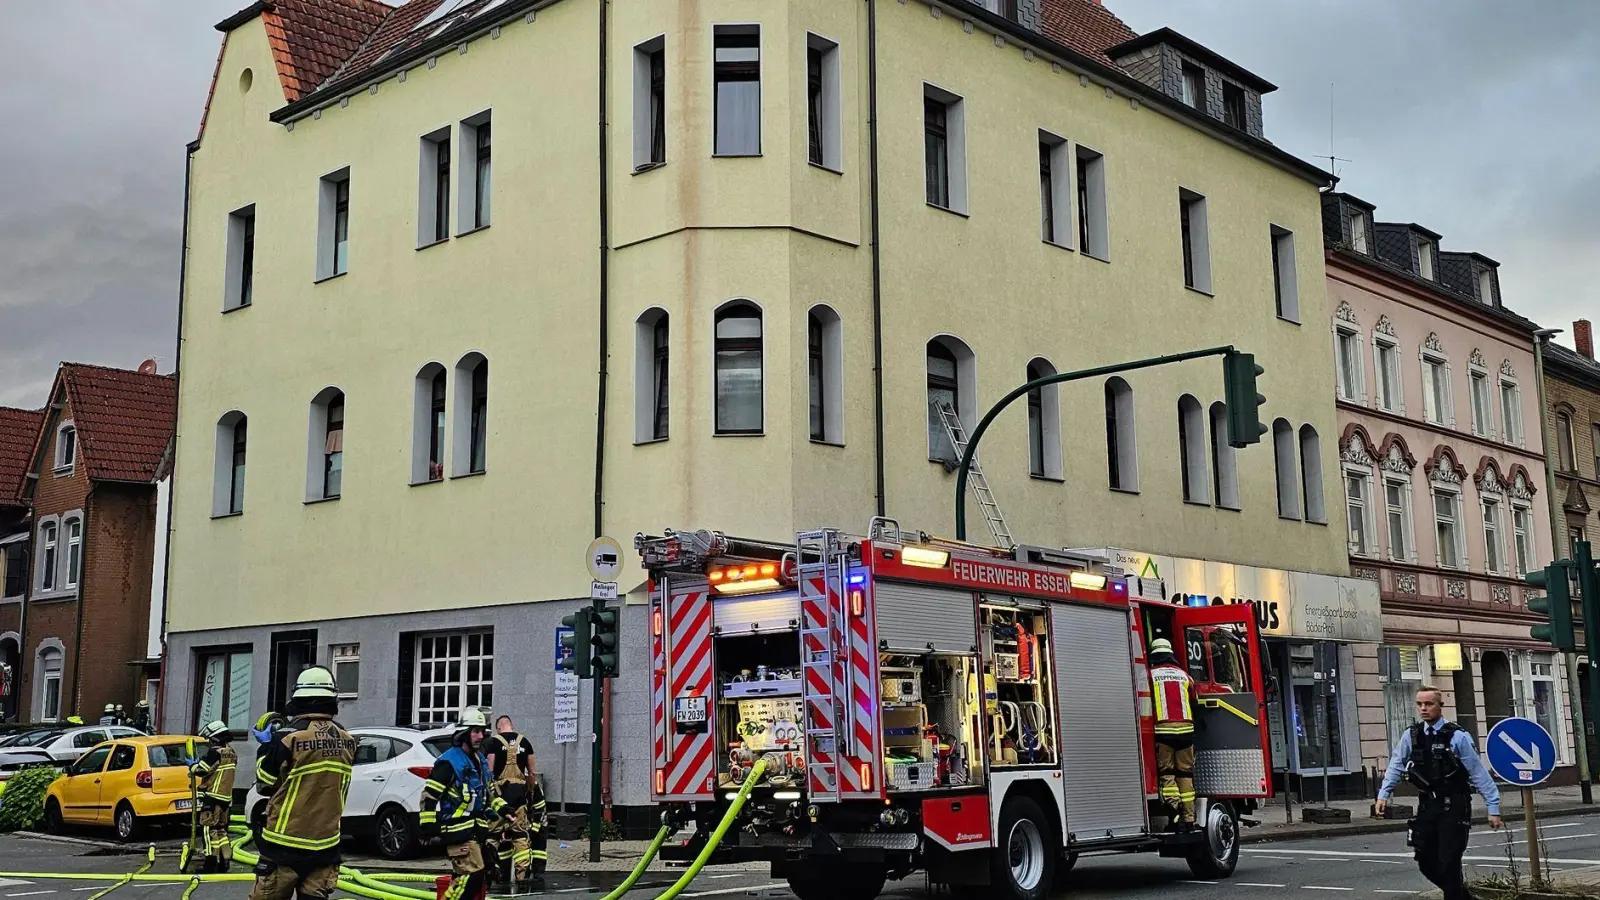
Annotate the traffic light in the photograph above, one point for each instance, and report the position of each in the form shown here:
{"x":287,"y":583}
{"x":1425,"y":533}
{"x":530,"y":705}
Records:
{"x":604,"y":640}
{"x":1555,"y":606}
{"x":577,"y":641}
{"x":1239,"y":372}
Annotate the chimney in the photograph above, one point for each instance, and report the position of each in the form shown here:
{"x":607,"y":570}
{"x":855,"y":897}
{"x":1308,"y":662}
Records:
{"x":1583,"y":336}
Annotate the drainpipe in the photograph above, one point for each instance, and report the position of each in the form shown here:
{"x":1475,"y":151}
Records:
{"x":877,"y":254}
{"x":1574,"y":686}
{"x":158,"y":715}
{"x":83,"y":592}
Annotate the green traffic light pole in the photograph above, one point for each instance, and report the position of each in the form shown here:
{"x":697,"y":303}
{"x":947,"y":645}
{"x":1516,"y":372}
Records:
{"x":1059,"y":378}
{"x":594,"y":750}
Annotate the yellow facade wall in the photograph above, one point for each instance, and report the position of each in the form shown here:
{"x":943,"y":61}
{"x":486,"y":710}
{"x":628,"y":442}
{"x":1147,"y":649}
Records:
{"x":688,"y":237}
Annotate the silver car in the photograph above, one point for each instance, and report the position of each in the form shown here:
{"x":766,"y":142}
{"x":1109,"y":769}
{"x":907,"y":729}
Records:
{"x":60,"y":745}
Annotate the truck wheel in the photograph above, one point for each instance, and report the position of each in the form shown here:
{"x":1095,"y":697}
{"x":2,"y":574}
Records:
{"x":839,"y":881}
{"x":1023,"y":864}
{"x":1218,"y":855}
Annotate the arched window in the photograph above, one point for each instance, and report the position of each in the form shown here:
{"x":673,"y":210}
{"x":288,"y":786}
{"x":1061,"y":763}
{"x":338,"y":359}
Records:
{"x":47,"y":668}
{"x":650,"y":356}
{"x":1564,"y":455}
{"x":470,"y":446}
{"x":739,"y":391}
{"x":952,"y":387}
{"x":1192,"y":450}
{"x":227,"y":485}
{"x":1311,"y":474}
{"x":1122,"y":462}
{"x":1224,"y":467}
{"x":427,"y":424}
{"x":1283,"y":455}
{"x":1044,"y":424}
{"x":325,"y":446}
{"x":825,"y":375}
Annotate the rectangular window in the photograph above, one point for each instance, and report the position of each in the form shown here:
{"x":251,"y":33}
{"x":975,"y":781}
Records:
{"x":737,"y":76}
{"x":333,"y":225}
{"x":1397,"y":506}
{"x":484,"y":177}
{"x":224,"y":688}
{"x":1425,"y":260}
{"x":240,"y":278}
{"x":49,"y":538}
{"x":936,"y":149}
{"x":1401,"y":678}
{"x":74,"y":529}
{"x":1447,"y":532}
{"x":1358,"y":232}
{"x":1494,"y":550}
{"x":1482,"y":411}
{"x":1194,"y":86}
{"x":1047,"y":196}
{"x":1511,"y":412}
{"x":1285,"y":280}
{"x":1195,"y":241}
{"x":1594,"y":437}
{"x":1094,"y":235}
{"x":478,"y":439}
{"x":1349,"y":363}
{"x":822,"y":103}
{"x":333,"y":450}
{"x":441,"y":189}
{"x":1358,"y":497}
{"x":658,"y":377}
{"x":346,"y":660}
{"x":475,"y":174}
{"x":1055,"y":190}
{"x":16,"y":568}
{"x":1233,"y":105}
{"x":52,"y":694}
{"x":433,"y":188}
{"x":1388,"y":366}
{"x":66,"y":447}
{"x":1435,"y":391}
{"x":452,"y":671}
{"x":436,"y":416}
{"x":1486,"y":287}
{"x":1522,"y":533}
{"x":650,"y":104}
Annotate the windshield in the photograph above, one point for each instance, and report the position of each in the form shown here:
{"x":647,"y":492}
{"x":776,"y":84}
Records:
{"x":167,"y":755}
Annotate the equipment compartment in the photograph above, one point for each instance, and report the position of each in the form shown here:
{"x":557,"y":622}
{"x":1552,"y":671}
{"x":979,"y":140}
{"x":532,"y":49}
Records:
{"x":1015,"y":642}
{"x":929,"y":718}
{"x":759,"y":709}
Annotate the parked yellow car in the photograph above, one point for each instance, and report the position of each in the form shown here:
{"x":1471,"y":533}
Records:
{"x":126,"y":783}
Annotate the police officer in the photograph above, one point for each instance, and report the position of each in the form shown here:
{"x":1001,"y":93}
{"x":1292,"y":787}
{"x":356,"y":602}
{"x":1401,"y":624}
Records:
{"x":1440,"y":760}
{"x":519,"y":840}
{"x":1173,"y":692}
{"x":214,"y":772}
{"x":457,"y":802}
{"x":304,"y":771}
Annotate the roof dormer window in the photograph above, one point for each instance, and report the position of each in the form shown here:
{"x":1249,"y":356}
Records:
{"x":1358,"y":231}
{"x":1425,"y":259}
{"x":1194,"y":86}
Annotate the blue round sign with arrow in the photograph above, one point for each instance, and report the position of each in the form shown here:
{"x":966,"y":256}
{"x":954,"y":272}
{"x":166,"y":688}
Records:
{"x":1521,"y":752}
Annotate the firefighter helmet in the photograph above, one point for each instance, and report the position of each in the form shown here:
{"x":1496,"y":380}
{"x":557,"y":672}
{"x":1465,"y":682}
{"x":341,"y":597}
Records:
{"x":315,"y":683}
{"x":110,"y":708}
{"x":472,"y":717}
{"x":1160,"y":645}
{"x":216,"y":731}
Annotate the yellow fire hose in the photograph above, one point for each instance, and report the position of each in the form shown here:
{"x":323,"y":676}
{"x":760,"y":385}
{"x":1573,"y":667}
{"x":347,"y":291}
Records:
{"x":354,"y":881}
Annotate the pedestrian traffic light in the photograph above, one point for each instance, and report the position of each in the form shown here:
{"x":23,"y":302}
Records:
{"x":575,"y":643}
{"x":1239,"y":372}
{"x":604,"y":640}
{"x":1555,"y":606}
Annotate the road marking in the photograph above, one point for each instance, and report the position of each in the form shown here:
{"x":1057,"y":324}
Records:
{"x":92,"y":887}
{"x":729,"y":875}
{"x":753,"y":889}
{"x":1564,"y":837}
{"x":30,"y":893}
{"x":1385,"y":862}
{"x":1259,"y":884}
{"x":1279,"y":858}
{"x":1392,"y":891}
{"x":1191,"y":881}
{"x":1342,"y":856}
{"x":1317,"y":887}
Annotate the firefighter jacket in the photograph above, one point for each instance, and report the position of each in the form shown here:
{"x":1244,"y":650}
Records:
{"x":1173,"y":692}
{"x":305,"y":774}
{"x":215,"y":773}
{"x":511,"y":764}
{"x":456,"y":798}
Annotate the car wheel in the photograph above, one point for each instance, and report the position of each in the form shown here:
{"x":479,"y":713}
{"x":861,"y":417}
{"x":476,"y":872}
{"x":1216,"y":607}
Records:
{"x":393,"y":833}
{"x":53,"y":822}
{"x":127,"y":823}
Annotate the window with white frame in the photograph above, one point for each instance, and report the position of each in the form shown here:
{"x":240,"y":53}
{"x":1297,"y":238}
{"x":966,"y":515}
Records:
{"x":474,"y":172}
{"x":651,"y":356}
{"x":1224,"y":463}
{"x":1055,"y":190}
{"x":944,"y":127}
{"x":49,"y":664}
{"x":1511,"y":411}
{"x":66,"y":447}
{"x":224,"y":687}
{"x":1094,"y":228}
{"x":650,"y":104}
{"x":1287,"y":470}
{"x":1195,"y":240}
{"x":333,"y":224}
{"x":1285,"y":275}
{"x":1397,"y":511}
{"x":72,"y":533}
{"x":1386,"y":365}
{"x":1425,"y":259}
{"x":1522,"y":535}
{"x":737,"y":81}
{"x":1311,"y":475}
{"x":1358,"y":232}
{"x":346,"y":662}
{"x":1494,"y":551}
{"x":1449,"y":540}
{"x":49,"y":554}
{"x":824,"y":145}
{"x":1482,"y":408}
{"x":452,"y":670}
{"x":1359,"y":512}
{"x":1400,"y":668}
{"x":1533,"y":680}
{"x":1192,"y":450}
{"x":1594,"y":437}
{"x":1436,"y":399}
{"x":1347,"y":343}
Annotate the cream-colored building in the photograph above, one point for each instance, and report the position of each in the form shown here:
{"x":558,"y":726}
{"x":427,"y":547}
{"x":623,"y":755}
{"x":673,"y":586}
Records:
{"x":430,"y":286}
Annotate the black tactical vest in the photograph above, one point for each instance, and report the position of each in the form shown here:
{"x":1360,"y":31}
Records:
{"x":1434,"y":768}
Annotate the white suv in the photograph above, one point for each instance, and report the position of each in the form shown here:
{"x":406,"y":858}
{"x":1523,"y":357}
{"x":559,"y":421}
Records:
{"x":385,"y":786}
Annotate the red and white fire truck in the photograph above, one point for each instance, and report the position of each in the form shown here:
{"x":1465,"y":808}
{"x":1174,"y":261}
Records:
{"x":978,"y":713}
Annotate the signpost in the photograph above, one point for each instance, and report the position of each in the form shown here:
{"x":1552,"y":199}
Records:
{"x":1522,"y":753}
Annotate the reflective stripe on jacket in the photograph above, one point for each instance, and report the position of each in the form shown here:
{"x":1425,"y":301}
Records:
{"x":306,"y":773}
{"x":215,"y":771}
{"x":1172,"y":689}
{"x":455,"y":795}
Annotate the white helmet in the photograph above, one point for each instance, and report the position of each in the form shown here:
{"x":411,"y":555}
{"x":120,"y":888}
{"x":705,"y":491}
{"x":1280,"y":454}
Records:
{"x":215,"y":730}
{"x":315,"y":683}
{"x":1160,"y":645}
{"x":472,"y":717}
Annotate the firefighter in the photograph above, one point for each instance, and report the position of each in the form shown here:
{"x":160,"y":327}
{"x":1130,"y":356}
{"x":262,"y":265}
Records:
{"x":108,"y":716}
{"x":264,"y":731}
{"x":1173,"y":691}
{"x":457,"y":802}
{"x":214,"y":772}
{"x":1439,"y":758}
{"x":304,"y":772}
{"x":519,"y":840}
{"x":141,"y":719}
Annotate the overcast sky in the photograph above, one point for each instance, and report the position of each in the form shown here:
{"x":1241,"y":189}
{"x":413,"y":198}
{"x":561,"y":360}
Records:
{"x":1474,"y":118}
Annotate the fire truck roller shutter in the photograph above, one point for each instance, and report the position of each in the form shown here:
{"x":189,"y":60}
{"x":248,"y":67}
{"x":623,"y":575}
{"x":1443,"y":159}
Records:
{"x":1100,"y":750}
{"x":917,"y":618}
{"x":758,"y":614}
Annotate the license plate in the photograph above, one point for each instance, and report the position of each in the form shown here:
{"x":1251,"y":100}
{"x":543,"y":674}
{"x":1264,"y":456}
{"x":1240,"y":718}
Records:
{"x":689,"y":710}
{"x":184,"y":804}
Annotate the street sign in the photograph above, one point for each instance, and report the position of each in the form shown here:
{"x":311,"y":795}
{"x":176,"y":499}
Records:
{"x":1521,"y":752}
{"x":565,"y":708}
{"x":604,"y":559}
{"x":562,"y":652}
{"x":602,"y":590}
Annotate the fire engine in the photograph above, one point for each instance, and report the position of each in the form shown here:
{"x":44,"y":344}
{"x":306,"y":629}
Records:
{"x":980,"y":714}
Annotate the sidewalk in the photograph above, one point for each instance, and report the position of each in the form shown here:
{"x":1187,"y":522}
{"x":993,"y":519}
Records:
{"x":1553,"y":801}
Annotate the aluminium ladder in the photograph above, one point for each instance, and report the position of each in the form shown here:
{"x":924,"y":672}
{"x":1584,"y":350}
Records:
{"x":957,"y":432}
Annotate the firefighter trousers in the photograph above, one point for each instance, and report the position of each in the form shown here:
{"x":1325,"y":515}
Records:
{"x":1439,"y":838}
{"x":520,"y":844}
{"x":219,"y":847}
{"x":469,"y":879}
{"x":1175,"y":768}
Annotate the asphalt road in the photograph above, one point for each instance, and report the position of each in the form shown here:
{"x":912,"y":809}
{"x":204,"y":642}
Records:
{"x":1370,"y":866}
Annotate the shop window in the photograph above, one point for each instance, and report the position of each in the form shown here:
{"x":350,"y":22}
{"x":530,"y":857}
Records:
{"x":1016,"y":662}
{"x":1534,"y":687}
{"x":1319,"y":733}
{"x":224,"y":677}
{"x":1400,"y":670}
{"x":346,"y":662}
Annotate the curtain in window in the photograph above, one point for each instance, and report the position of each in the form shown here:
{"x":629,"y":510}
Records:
{"x":738,"y":336}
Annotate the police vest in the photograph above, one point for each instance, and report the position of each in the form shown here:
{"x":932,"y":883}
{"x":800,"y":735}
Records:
{"x":1171,"y":687}
{"x":1434,"y":769}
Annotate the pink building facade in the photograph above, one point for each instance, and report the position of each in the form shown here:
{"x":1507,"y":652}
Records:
{"x":1442,"y":460}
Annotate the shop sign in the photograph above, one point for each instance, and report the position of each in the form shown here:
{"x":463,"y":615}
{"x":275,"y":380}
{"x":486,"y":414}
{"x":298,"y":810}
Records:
{"x":1287,"y":604}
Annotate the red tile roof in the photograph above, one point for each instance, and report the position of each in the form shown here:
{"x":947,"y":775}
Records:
{"x":1085,"y":26}
{"x":394,"y":31}
{"x":19,"y":429}
{"x":311,"y":39}
{"x":125,"y":420}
